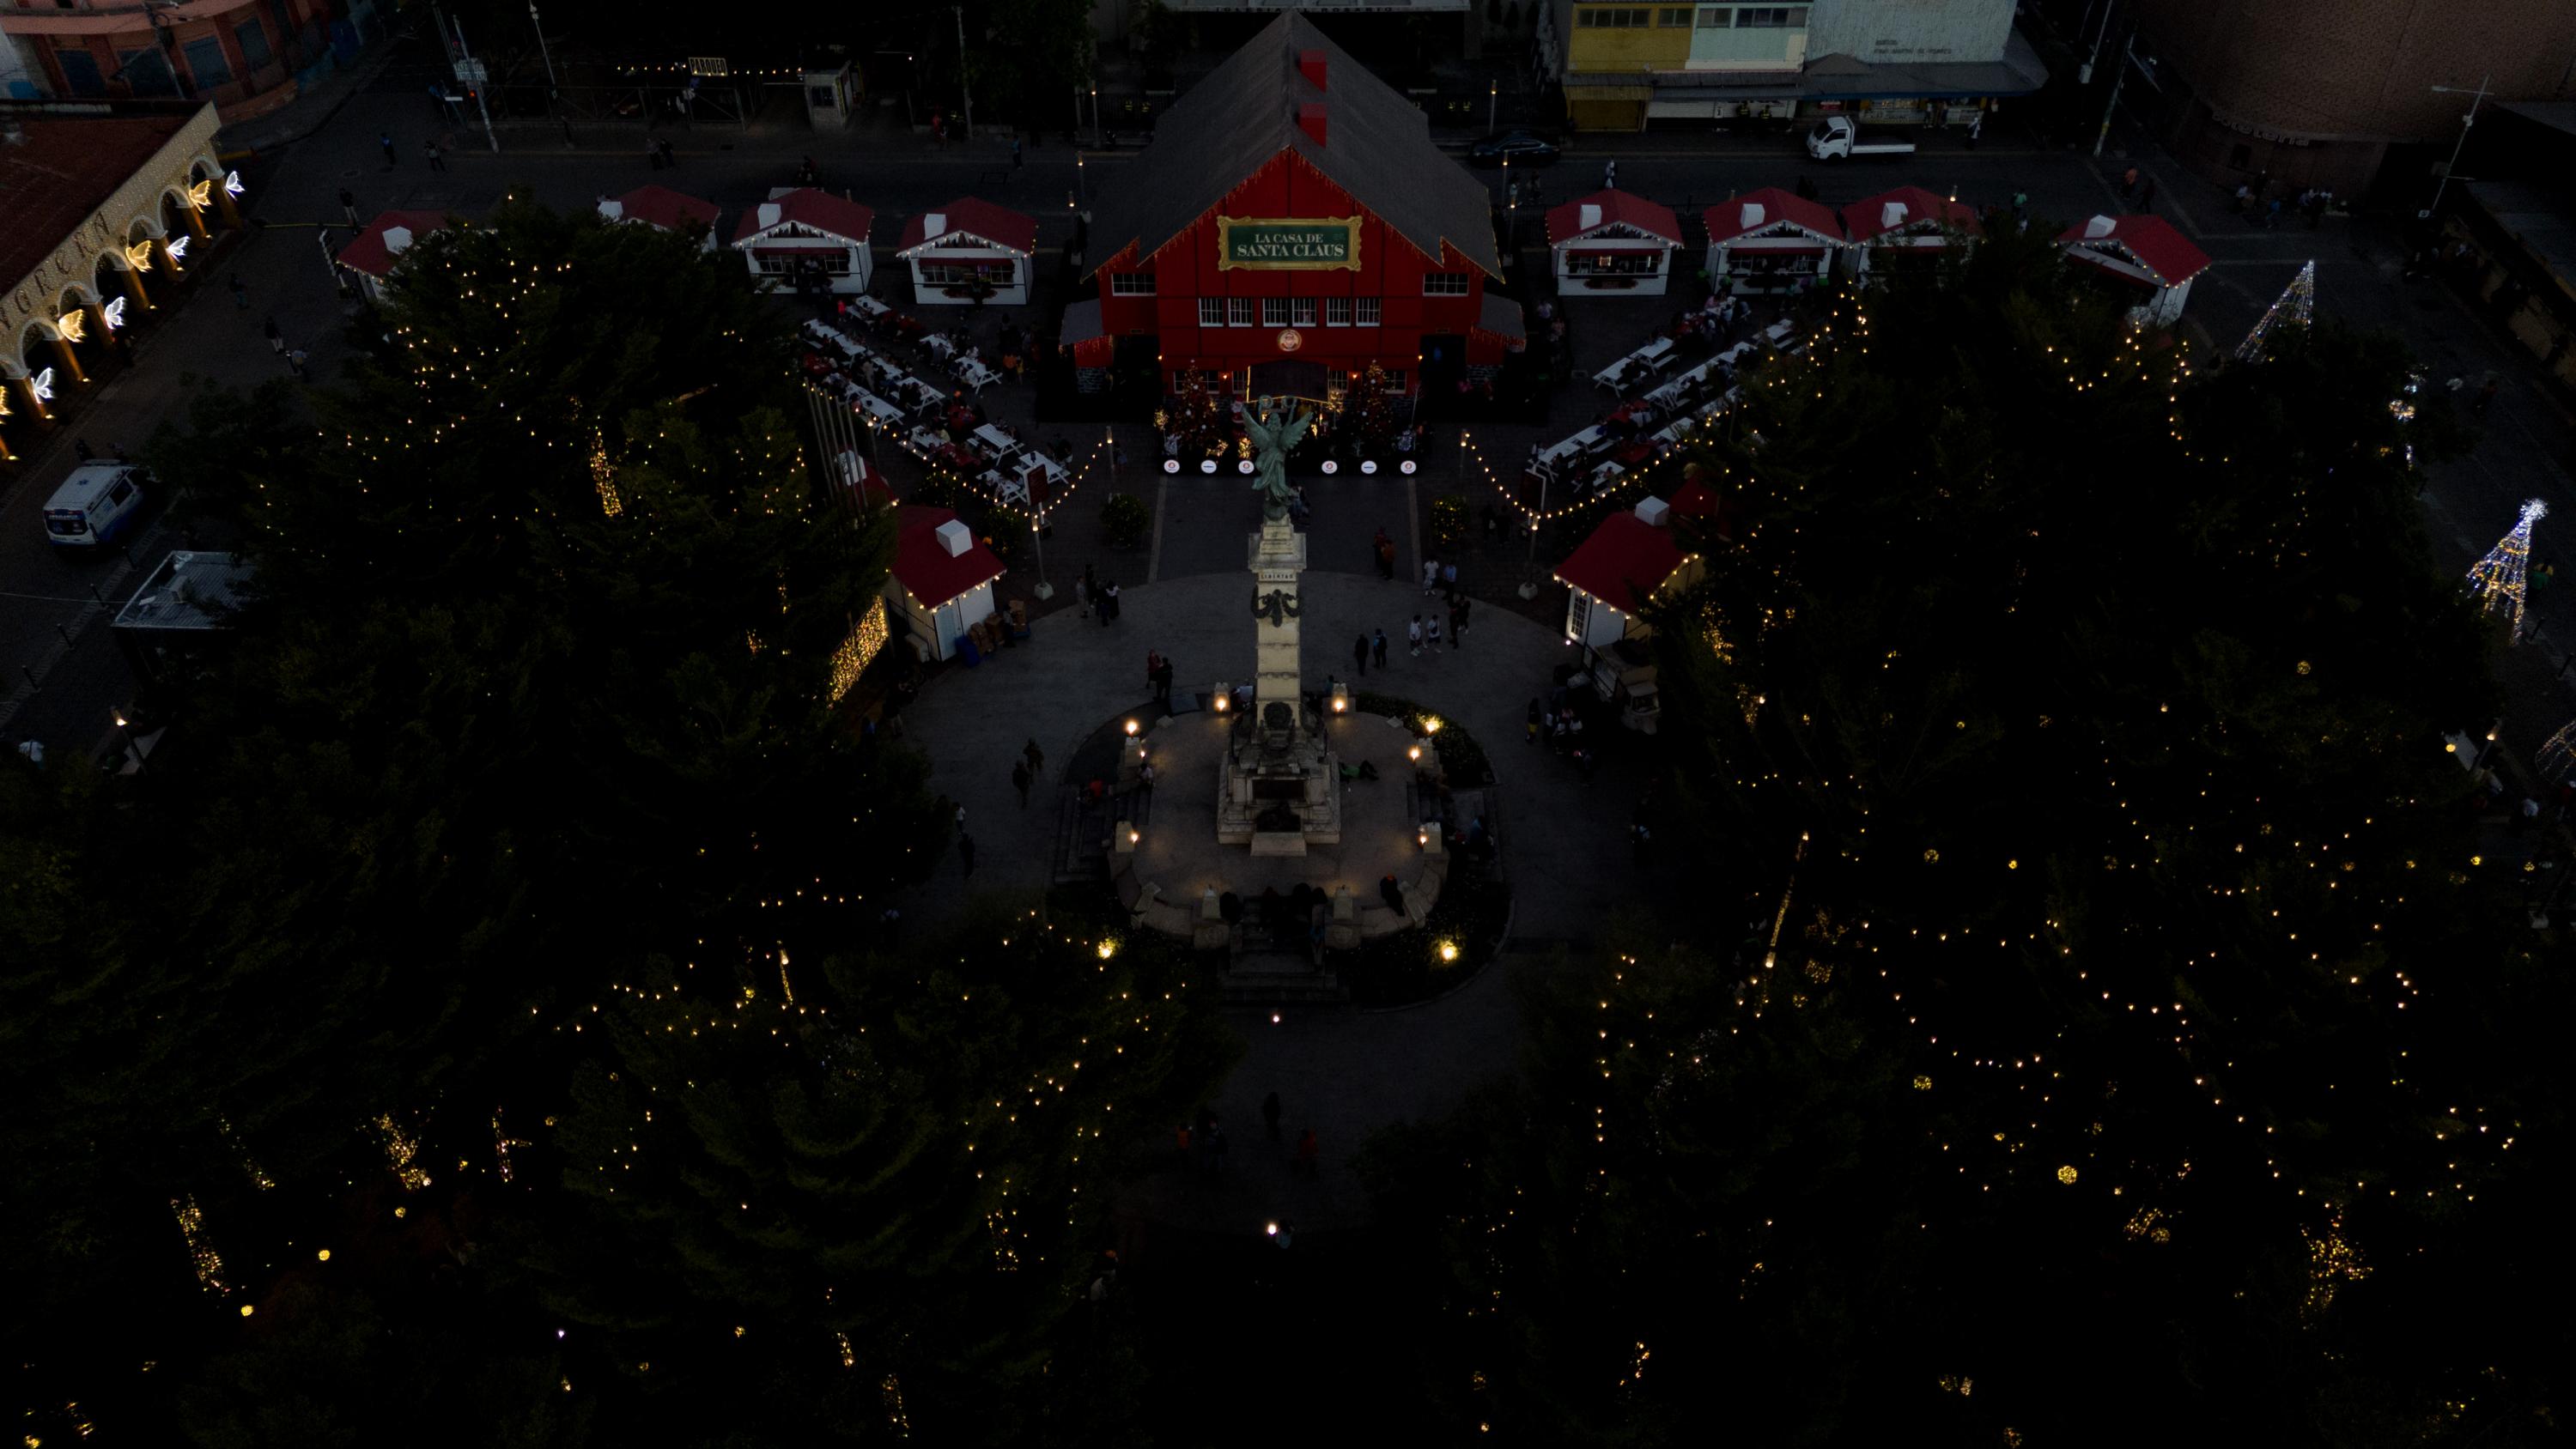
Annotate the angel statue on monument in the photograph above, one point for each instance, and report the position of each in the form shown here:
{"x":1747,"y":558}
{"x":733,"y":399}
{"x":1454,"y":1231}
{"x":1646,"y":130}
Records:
{"x":1274,"y":432}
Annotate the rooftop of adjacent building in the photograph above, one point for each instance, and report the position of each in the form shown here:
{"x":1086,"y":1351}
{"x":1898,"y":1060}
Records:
{"x":58,"y":167}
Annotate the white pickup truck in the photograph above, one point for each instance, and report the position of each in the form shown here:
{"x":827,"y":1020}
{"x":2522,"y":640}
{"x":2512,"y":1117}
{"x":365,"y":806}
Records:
{"x":1836,"y":137}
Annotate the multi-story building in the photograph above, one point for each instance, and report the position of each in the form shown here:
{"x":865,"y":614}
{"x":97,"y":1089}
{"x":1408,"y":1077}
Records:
{"x":1624,"y":65}
{"x":2339,"y":93}
{"x":246,"y":56}
{"x":1290,"y":224}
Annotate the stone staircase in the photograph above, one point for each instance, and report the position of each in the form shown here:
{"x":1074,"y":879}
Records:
{"x":1266,"y":970}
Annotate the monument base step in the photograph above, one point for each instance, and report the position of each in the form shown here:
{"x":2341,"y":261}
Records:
{"x":1269,"y":978}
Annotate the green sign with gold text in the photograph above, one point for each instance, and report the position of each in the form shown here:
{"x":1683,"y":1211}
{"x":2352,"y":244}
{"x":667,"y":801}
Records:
{"x":1288,"y":244}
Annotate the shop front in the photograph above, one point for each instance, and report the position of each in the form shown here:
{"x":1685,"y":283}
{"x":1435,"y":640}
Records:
{"x":1614,"y":243}
{"x":1771,"y":241}
{"x":1292,"y":208}
{"x":970,"y":251}
{"x":804,"y":237}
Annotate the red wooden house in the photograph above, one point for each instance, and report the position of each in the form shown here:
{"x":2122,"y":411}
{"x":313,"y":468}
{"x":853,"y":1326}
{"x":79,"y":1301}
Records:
{"x":1290,"y":224}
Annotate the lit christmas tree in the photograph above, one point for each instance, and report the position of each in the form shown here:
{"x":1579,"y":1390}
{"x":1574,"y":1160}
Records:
{"x":2294,"y":306}
{"x":2498,"y":578}
{"x":2557,"y":756}
{"x":1369,"y":420}
{"x":1199,"y":416}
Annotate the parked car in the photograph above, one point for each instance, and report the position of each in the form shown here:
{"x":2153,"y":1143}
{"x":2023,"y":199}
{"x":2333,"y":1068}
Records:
{"x":1525,"y":148}
{"x":95,"y":504}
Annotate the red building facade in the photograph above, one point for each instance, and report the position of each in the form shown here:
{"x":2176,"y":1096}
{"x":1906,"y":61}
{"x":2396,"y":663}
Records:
{"x":1351,"y":240}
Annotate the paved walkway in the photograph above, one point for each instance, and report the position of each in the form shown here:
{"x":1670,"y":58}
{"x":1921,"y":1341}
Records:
{"x":1344,"y":1072}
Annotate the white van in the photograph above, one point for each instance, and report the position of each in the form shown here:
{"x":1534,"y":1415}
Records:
{"x":95,"y":504}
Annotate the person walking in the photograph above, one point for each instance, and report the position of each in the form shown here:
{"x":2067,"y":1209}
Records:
{"x":1020,"y":781}
{"x":1449,"y":575}
{"x":349,"y":206}
{"x":1377,"y":647}
{"x":1610,"y":176}
{"x":1413,"y":636}
{"x":429,"y":148}
{"x":1976,"y":128}
{"x":276,"y":339}
{"x":386,"y":140}
{"x":1430,"y":576}
{"x":663,"y":148}
{"x":1360,"y":655}
{"x":1458,"y":624}
{"x":1270,"y":1115}
{"x":1035,"y":756}
{"x":1108,"y":603}
{"x":241,"y":295}
{"x":295,"y":362}
{"x":1431,"y":633}
{"x":966,"y":854}
{"x":1017,"y":161}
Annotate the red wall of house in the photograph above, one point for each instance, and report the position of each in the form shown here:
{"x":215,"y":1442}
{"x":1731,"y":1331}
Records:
{"x":1390,"y":270}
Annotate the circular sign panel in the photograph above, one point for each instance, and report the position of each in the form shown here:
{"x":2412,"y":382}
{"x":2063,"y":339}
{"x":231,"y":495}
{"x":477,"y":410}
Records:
{"x":1290,"y":340}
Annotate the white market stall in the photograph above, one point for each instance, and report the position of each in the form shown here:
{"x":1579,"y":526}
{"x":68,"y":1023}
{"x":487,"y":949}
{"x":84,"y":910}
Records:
{"x":967,"y":248}
{"x":803,"y":231}
{"x":1770,"y":241}
{"x":1614,"y":242}
{"x":941,"y":584}
{"x":2143,"y":252}
{"x":665,"y":209}
{"x":369,"y":257}
{"x":1905,"y":230}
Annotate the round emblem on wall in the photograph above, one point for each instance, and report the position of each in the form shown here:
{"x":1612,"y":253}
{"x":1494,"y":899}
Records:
{"x":1290,"y":340}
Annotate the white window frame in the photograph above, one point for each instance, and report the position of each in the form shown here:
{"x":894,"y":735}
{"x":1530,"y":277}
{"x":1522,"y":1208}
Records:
{"x":1463,"y":284}
{"x":1274,"y":311}
{"x":1337,"y":311}
{"x":1364,"y":312}
{"x":1301,"y":311}
{"x":1238,"y":312}
{"x":1211,"y":311}
{"x":1131,"y":284}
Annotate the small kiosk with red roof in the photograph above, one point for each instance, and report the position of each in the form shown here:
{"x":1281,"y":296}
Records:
{"x":1612,"y":241}
{"x":665,"y":209}
{"x":804,"y":231}
{"x":1905,"y":231}
{"x":2143,"y":252}
{"x":1627,"y":560}
{"x":370,"y":256}
{"x":942,"y":580}
{"x":1771,"y":241}
{"x":967,"y":249}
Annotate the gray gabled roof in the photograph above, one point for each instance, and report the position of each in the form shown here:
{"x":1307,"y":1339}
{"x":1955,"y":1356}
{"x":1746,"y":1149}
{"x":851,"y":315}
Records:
{"x":1377,"y":147}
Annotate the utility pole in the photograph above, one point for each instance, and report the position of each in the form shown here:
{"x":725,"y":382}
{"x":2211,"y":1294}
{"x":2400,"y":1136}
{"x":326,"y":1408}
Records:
{"x":2084,"y":73}
{"x":542,"y":51}
{"x":968,"y":96}
{"x":1493,"y":103}
{"x":2457,"y":147}
{"x":2117,"y":81}
{"x":466,"y":60}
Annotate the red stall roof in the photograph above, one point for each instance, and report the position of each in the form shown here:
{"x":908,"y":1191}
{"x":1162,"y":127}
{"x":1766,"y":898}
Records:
{"x":977,"y":221}
{"x":1727,"y":220}
{"x":1867,"y":217}
{"x":928,"y":571}
{"x":1624,"y":561}
{"x":2148,"y":242}
{"x":1617,"y":208}
{"x":367,"y":252}
{"x":670,"y":210}
{"x":806,"y":206}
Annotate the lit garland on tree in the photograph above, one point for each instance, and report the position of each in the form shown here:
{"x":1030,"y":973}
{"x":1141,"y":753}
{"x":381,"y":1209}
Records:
{"x":2498,"y":579}
{"x":2294,"y":307}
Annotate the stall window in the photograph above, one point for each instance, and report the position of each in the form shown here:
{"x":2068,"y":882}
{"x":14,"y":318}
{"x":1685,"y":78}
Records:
{"x":1394,"y":379}
{"x":959,"y":274}
{"x":1366,"y":308}
{"x":206,"y":61}
{"x":254,"y":44}
{"x":1274,"y":311}
{"x":1238,"y":311}
{"x":1301,"y":311}
{"x":1211,"y":311}
{"x":1611,"y":264}
{"x":1131,"y":284}
{"x":1444,"y":284}
{"x":1337,"y":311}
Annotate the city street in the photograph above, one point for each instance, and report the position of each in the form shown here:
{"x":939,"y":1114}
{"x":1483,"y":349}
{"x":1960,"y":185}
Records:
{"x":63,"y":693}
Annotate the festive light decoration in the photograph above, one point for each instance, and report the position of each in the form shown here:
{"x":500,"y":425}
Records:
{"x":74,"y":325}
{"x":232,"y":183}
{"x":2556,"y":758}
{"x":178,"y":248}
{"x":2295,"y":306}
{"x":192,"y":1227}
{"x":42,"y":385}
{"x":199,"y":194}
{"x":2498,"y":579}
{"x":603,"y":475}
{"x":402,"y":1150}
{"x":113,"y":313}
{"x":866,"y":638}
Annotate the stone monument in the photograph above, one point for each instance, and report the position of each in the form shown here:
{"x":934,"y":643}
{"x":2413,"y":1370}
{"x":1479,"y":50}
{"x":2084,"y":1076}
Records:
{"x":1281,"y":787}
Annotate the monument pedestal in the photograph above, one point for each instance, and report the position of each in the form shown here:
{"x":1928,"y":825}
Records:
{"x":1280,"y":792}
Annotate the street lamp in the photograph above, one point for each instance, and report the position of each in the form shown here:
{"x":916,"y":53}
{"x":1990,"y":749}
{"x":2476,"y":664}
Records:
{"x":1493,"y":103}
{"x":2477,"y":98}
{"x":549,"y":56}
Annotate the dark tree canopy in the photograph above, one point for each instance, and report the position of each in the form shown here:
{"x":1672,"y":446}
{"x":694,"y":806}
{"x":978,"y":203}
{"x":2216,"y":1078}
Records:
{"x":2115,"y":1028}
